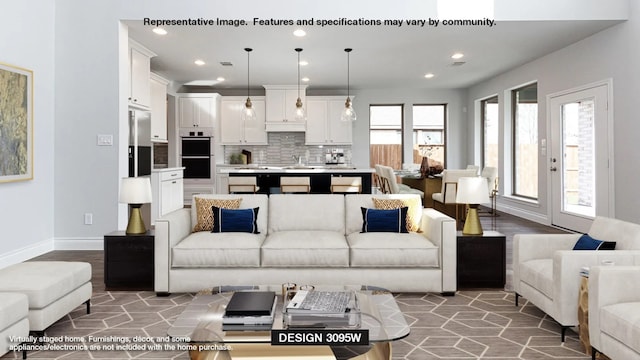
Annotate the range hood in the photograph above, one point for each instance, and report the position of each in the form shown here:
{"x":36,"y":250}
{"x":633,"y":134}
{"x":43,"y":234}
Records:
{"x":285,"y":126}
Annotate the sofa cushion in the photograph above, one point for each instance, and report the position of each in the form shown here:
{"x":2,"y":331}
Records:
{"x":249,"y":201}
{"x":622,"y":322}
{"x":235,"y":220}
{"x":354,"y":202}
{"x":204,"y":214}
{"x":624,"y":233}
{"x":307,"y":248}
{"x":377,"y":220}
{"x":205,"y":249}
{"x":392,"y":250}
{"x":586,"y":242}
{"x":539,"y":274}
{"x":15,"y":307}
{"x":44,"y":282}
{"x":413,"y":204}
{"x":297,"y":212}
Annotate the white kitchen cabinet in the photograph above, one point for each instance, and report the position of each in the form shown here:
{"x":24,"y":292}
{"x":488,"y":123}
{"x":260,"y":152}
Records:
{"x":222,"y":183}
{"x":233,"y":130}
{"x":139,"y":73}
{"x":167,"y":191}
{"x":158,"y":108}
{"x":197,"y":110}
{"x":324,"y":126}
{"x":281,"y":107}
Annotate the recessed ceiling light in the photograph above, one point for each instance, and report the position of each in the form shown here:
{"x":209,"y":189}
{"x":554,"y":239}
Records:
{"x":304,"y":63}
{"x":305,"y":79}
{"x":199,"y":62}
{"x":428,"y":75}
{"x":300,"y":33}
{"x":457,"y":56}
{"x":159,"y":31}
{"x":220,"y":78}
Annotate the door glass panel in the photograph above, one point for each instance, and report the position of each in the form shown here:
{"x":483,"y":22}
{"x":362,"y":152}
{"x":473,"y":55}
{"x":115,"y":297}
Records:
{"x":578,"y":167}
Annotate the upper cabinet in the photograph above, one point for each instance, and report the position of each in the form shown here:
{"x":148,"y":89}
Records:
{"x":139,"y":73}
{"x":158,"y":89}
{"x":197,"y":110}
{"x":324,"y":126}
{"x":233,"y":129}
{"x":281,"y":106}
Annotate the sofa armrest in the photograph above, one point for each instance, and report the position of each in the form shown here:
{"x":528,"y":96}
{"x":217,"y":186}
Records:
{"x":607,"y":287}
{"x":170,"y":230}
{"x":440,"y":229}
{"x":537,"y":246}
{"x":566,"y":276}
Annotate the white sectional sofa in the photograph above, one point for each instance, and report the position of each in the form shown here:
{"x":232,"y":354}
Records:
{"x":614,"y":311}
{"x":546,"y":271}
{"x":306,"y":239}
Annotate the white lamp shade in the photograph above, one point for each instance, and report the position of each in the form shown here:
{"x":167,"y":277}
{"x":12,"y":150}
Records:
{"x":472,"y":190}
{"x":135,"y":190}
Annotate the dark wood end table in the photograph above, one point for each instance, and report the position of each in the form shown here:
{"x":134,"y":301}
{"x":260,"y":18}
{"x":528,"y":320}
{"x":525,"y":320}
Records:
{"x":481,"y":260}
{"x":128,"y":261}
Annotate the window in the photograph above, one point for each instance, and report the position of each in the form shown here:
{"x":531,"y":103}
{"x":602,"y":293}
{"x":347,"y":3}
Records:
{"x":525,"y":140}
{"x":385,"y":135}
{"x":489,"y":118}
{"x":429,"y":132}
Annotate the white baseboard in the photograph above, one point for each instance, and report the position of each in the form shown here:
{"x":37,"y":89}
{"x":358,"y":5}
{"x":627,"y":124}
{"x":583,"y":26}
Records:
{"x":79,"y":243}
{"x":529,"y":215}
{"x":26,"y":253}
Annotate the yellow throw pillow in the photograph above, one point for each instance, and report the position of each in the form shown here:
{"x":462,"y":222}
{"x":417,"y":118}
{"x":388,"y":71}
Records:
{"x":413,"y":215}
{"x":204,"y":215}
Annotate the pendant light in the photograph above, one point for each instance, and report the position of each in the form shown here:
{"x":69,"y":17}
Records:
{"x":300,"y":114}
{"x":348,"y":114}
{"x":248,"y":113}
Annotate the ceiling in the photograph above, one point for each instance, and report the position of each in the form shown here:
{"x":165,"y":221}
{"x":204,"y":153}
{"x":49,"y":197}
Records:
{"x":382,"y":57}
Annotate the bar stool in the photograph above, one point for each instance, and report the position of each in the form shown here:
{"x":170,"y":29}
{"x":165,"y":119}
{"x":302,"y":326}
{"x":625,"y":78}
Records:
{"x":243,"y":184}
{"x":346,"y":184}
{"x":295,"y":184}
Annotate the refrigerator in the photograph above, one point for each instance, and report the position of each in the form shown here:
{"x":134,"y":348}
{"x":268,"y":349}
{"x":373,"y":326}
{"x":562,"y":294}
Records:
{"x":140,"y":162}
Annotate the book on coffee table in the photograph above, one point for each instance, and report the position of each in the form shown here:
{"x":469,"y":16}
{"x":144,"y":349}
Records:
{"x":250,"y":308}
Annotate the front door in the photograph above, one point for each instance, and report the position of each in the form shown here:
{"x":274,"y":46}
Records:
{"x":579,"y":164}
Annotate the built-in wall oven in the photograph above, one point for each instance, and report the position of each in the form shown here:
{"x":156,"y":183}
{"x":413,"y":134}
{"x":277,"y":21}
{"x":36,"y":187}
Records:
{"x":196,"y":154}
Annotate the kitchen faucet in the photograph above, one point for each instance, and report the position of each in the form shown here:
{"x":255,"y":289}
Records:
{"x":297,"y":159}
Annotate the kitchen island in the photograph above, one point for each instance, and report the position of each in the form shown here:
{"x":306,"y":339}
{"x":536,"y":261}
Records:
{"x":268,"y":177}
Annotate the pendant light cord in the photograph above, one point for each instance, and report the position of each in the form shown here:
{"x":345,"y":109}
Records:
{"x":298,"y":50}
{"x":248,"y":50}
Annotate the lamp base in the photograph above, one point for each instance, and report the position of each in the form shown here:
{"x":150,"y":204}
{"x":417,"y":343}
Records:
{"x":472,"y":224}
{"x":136,"y":224}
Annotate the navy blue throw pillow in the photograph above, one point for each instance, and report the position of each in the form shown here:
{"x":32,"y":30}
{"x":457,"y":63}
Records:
{"x":586,"y":242}
{"x":377,"y":220}
{"x":235,"y":220}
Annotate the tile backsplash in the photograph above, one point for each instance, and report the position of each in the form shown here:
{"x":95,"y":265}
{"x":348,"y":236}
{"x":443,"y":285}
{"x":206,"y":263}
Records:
{"x":282,"y":146}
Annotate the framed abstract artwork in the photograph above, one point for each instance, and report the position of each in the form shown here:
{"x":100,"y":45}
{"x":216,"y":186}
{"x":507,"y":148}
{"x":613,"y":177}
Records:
{"x":16,"y":123}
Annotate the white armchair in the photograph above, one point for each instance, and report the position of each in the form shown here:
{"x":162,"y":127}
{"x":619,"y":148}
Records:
{"x":546,"y":271}
{"x":614,"y":311}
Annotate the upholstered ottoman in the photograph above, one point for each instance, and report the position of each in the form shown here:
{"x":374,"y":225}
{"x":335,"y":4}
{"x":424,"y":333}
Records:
{"x":54,"y":288}
{"x":14,"y":319}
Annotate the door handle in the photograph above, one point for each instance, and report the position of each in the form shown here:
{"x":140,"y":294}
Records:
{"x":553,"y":168}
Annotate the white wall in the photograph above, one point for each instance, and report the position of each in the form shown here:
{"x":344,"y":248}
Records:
{"x":26,"y":207}
{"x":613,"y":53}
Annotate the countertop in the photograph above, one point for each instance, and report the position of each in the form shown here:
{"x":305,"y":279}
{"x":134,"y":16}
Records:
{"x":167,"y":169}
{"x":315,"y":169}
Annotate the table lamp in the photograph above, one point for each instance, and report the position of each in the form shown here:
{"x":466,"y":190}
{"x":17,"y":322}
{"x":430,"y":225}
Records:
{"x":472,"y":191}
{"x":135,"y":191}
